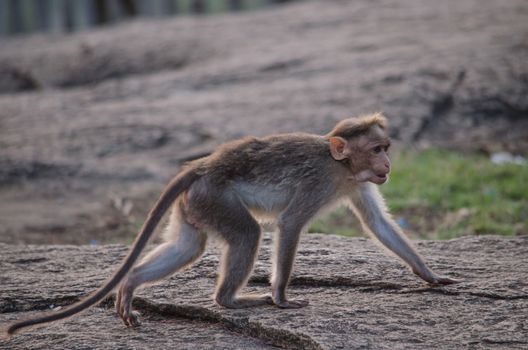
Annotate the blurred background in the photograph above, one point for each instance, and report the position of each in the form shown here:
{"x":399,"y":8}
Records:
{"x":101,"y":102}
{"x":57,"y":16}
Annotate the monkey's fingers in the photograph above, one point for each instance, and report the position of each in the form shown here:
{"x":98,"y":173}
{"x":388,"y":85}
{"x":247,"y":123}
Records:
{"x":442,"y":280}
{"x":434,"y":279}
{"x":131,"y":319}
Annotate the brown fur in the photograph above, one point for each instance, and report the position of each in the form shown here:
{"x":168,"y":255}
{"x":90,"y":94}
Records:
{"x":353,"y":127}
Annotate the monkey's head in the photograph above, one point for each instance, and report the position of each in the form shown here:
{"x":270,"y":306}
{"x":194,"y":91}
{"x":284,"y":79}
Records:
{"x":362,"y":144}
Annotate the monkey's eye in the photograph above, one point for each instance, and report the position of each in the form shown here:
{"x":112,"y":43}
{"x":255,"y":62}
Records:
{"x":377,"y":149}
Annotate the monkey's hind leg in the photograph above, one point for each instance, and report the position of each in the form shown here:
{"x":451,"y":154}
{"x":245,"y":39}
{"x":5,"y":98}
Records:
{"x":187,"y":246}
{"x":242,"y":237}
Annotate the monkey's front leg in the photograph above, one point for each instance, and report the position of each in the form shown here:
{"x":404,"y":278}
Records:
{"x":370,"y":208}
{"x":389,"y":234}
{"x":285,"y":249}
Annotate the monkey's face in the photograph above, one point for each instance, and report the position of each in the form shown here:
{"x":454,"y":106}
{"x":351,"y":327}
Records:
{"x":366,"y":155}
{"x":373,"y":148}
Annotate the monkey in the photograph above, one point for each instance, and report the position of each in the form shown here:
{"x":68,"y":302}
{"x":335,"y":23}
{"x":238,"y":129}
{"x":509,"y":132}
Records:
{"x":289,"y":178}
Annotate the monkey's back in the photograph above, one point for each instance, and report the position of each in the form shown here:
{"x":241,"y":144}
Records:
{"x":275,"y":159}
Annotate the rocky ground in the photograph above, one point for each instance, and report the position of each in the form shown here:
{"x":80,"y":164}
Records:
{"x":92,"y":125}
{"x":359,"y":298}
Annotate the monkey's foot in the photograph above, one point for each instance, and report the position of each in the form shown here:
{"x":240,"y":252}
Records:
{"x":292,"y":304}
{"x":123,"y":307}
{"x":246,"y":300}
{"x":131,"y":319}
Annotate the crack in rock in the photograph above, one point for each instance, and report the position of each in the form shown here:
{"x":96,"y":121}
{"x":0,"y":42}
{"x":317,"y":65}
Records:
{"x":373,"y":286}
{"x":440,"y":290}
{"x":8,"y":305}
{"x":336,"y":281}
{"x":344,"y":282}
{"x":241,"y":325}
{"x":503,"y":342}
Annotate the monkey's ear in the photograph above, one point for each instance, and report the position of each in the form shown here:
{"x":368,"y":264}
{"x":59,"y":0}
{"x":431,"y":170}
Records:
{"x":338,"y":147}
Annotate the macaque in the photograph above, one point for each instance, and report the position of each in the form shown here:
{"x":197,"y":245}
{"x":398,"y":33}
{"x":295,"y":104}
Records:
{"x":287,"y":177}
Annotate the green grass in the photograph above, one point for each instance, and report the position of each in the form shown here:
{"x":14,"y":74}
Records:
{"x":442,"y":194}
{"x":340,"y":222}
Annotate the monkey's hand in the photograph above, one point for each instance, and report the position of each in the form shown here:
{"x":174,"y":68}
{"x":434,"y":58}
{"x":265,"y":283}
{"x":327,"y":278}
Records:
{"x":434,"y":279}
{"x":442,"y":280}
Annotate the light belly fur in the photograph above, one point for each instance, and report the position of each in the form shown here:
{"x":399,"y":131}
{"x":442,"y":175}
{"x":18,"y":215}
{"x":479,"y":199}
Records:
{"x":264,"y":202}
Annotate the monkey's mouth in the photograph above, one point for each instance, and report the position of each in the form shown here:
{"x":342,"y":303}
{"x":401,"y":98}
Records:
{"x":380,"y":178}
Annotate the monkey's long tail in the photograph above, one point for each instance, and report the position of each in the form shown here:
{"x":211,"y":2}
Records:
{"x":177,"y":186}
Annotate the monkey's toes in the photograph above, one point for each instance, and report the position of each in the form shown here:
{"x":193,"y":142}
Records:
{"x":268,"y":299}
{"x":445,"y":280}
{"x":131,"y":319}
{"x":441,"y":280}
{"x":265,"y":298}
{"x":292,"y":304}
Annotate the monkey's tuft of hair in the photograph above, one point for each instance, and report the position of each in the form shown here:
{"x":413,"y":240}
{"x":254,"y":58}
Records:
{"x":5,"y":333}
{"x":353,"y":127}
{"x":8,"y":332}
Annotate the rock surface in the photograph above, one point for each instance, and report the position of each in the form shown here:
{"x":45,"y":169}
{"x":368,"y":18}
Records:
{"x":359,"y":298}
{"x":93,"y":119}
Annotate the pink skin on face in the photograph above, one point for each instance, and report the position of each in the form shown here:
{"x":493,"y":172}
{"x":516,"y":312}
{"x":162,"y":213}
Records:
{"x":377,"y":144}
{"x":369,"y":175}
